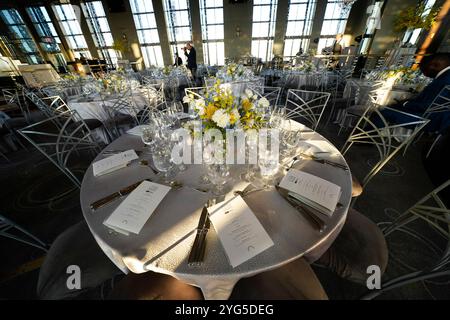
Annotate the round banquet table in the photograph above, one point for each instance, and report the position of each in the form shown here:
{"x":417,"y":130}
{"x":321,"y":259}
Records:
{"x":164,"y":243}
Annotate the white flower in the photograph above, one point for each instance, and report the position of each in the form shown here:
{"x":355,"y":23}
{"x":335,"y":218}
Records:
{"x":199,"y":106}
{"x":188,"y":98}
{"x":249,"y":93}
{"x":255,"y":97}
{"x":221,"y":118}
{"x":263,"y":102}
{"x":200,"y":103}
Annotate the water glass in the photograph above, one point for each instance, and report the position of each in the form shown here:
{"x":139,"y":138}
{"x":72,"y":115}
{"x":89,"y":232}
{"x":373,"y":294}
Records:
{"x":218,"y":174}
{"x":162,"y":159}
{"x":268,"y":165}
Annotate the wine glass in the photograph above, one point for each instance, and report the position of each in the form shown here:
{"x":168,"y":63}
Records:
{"x":162,"y":159}
{"x":251,"y":149}
{"x":277,"y":118}
{"x":268,"y":165}
{"x":149,"y":137}
{"x":218,"y":174}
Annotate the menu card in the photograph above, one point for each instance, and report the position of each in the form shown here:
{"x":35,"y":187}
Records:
{"x":314,"y":191}
{"x":136,"y":209}
{"x":113,"y":162}
{"x":239,"y":231}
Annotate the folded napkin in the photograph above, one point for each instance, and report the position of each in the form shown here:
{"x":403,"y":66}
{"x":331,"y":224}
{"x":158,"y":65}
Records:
{"x":114,"y":162}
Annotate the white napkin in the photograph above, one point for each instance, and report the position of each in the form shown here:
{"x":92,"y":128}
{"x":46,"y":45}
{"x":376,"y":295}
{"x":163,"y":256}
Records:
{"x":113,"y":162}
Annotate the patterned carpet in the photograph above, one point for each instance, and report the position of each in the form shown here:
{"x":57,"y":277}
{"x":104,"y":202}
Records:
{"x":40,"y":198}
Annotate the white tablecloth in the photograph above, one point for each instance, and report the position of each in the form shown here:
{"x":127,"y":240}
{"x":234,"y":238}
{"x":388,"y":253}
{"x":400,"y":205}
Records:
{"x":164,"y":243}
{"x":94,"y":109}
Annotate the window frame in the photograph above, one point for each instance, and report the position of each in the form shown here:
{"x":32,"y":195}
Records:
{"x":266,"y":40}
{"x":217,"y":43}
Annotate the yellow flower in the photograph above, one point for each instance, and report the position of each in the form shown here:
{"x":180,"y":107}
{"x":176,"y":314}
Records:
{"x":247,"y":105}
{"x":210,"y":109}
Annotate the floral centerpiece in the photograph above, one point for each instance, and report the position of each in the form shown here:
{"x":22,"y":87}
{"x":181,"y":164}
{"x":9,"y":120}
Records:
{"x":219,"y":108}
{"x":112,"y":82}
{"x":234,"y":72}
{"x":399,"y":76}
{"x":305,"y":66}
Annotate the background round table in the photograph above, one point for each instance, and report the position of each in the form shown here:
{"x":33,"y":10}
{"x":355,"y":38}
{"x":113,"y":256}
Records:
{"x":164,"y":243}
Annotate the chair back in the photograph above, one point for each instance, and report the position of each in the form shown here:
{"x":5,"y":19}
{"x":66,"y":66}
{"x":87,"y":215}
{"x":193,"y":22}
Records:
{"x":306,"y":106}
{"x":374,"y":129}
{"x":60,"y":137}
{"x":272,"y":94}
{"x":12,"y":96}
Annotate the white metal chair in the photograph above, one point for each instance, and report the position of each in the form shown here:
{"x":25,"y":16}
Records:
{"x":272,"y":94}
{"x":435,"y":211}
{"x":12,"y":230}
{"x":121,"y":112}
{"x":364,"y":98}
{"x":12,"y":96}
{"x":59,"y":137}
{"x":385,"y":136}
{"x":306,"y":106}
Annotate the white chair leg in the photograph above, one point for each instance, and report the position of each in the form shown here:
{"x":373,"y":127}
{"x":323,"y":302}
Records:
{"x":432,"y":145}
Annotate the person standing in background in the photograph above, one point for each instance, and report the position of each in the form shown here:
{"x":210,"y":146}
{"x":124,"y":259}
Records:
{"x":191,"y":59}
{"x":178,"y":61}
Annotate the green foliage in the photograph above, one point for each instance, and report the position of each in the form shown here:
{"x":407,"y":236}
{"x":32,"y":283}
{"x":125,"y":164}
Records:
{"x":414,"y":18}
{"x":119,"y":46}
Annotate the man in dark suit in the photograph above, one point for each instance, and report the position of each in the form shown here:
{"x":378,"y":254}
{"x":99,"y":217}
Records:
{"x":436,"y":66}
{"x":191,"y":59}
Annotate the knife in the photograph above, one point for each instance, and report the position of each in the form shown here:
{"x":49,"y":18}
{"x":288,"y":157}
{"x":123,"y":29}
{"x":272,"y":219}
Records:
{"x":202,"y":245}
{"x":103,"y":201}
{"x":199,"y":237}
{"x":312,"y":218}
{"x":324,"y":161}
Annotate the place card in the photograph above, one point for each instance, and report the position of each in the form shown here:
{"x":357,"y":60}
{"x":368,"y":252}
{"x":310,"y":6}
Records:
{"x":131,"y":215}
{"x":314,"y":191}
{"x":239,"y":231}
{"x":113,"y":162}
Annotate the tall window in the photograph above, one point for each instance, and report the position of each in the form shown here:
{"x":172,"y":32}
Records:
{"x":20,"y":33}
{"x":72,"y":30}
{"x":263,"y":28}
{"x":411,"y":36}
{"x":179,"y":23}
{"x":48,"y":37}
{"x":299,"y":26}
{"x":211,"y":14}
{"x":373,"y":22}
{"x":101,"y":33}
{"x":144,"y":20}
{"x":334,"y":21}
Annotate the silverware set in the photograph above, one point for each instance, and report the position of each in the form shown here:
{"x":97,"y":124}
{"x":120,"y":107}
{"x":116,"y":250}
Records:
{"x":308,"y":212}
{"x":197,"y":254}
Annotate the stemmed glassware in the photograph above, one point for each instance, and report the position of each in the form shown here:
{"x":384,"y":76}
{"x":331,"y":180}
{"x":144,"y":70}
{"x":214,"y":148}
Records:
{"x":150,"y":135}
{"x":251,"y":149}
{"x":277,"y":118}
{"x":218,"y":174}
{"x":268,"y":163}
{"x":162,"y":159}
